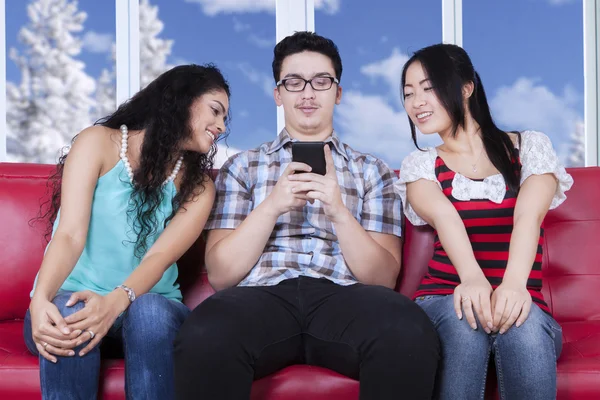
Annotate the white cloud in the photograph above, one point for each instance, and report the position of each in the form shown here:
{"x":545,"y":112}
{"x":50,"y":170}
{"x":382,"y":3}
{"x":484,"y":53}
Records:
{"x":561,"y":2}
{"x":252,"y":38}
{"x":258,"y":41}
{"x":328,"y":6}
{"x":526,"y":104}
{"x":389,"y":70}
{"x":214,"y":7}
{"x":223,"y":153}
{"x":376,"y":123}
{"x":97,"y":42}
{"x":370,"y":124}
{"x":261,"y":79}
{"x":181,"y":61}
{"x":239,"y":26}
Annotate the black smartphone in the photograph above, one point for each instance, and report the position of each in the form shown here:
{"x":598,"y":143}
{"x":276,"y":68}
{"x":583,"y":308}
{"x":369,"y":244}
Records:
{"x":310,"y":153}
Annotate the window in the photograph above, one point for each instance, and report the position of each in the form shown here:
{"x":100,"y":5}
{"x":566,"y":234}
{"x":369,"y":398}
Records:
{"x":374,"y":43}
{"x":53,"y":72}
{"x":530,"y":58}
{"x":239,"y":39}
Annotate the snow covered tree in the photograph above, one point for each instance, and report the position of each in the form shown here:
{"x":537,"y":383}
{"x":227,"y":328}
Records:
{"x":53,"y":101}
{"x":153,"y":59}
{"x":576,"y":156}
{"x":153,"y":50}
{"x":106,"y":92}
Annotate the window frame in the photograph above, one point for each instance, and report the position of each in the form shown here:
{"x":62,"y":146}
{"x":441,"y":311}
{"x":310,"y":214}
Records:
{"x":294,"y":15}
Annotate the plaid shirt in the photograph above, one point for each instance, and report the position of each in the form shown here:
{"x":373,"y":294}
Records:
{"x":304,"y":242}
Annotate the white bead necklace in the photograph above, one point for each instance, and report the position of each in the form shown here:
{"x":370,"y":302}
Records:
{"x":123,"y":155}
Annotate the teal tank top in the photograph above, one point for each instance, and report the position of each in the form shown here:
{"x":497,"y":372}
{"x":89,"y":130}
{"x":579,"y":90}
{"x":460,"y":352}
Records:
{"x":109,"y":254}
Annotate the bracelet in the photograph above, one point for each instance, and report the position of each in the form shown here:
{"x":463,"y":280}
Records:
{"x":129,"y":291}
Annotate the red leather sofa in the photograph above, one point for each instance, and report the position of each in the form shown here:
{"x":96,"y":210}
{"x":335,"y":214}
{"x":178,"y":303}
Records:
{"x":571,"y":277}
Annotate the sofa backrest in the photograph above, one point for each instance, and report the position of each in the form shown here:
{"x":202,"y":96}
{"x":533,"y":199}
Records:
{"x":22,"y":191}
{"x":570,"y":266}
{"x":21,"y":188}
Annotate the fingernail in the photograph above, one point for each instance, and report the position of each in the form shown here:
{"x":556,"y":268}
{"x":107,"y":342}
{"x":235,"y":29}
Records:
{"x":81,"y":354}
{"x":474,"y":326}
{"x":71,"y":353}
{"x":66,"y":330}
{"x":459,"y":316}
{"x":490,"y":325}
{"x":502,"y":331}
{"x":54,"y":360}
{"x":77,"y":332}
{"x":518,"y":324}
{"x":77,"y":344}
{"x":487,"y":330}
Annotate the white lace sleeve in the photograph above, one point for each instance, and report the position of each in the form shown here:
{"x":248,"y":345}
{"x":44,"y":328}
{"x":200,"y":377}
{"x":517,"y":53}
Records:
{"x":537,"y":158}
{"x":417,"y":165}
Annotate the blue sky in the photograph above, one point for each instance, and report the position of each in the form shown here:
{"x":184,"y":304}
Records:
{"x":529,"y":54}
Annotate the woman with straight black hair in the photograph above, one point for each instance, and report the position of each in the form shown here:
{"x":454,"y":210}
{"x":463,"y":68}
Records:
{"x":134,"y":193}
{"x":485,"y":192}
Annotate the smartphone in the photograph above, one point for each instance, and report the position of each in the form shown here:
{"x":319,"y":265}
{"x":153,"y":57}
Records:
{"x":310,"y":153}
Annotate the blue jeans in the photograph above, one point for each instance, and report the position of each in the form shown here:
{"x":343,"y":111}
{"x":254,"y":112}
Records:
{"x":147,"y":330}
{"x":525,"y":357}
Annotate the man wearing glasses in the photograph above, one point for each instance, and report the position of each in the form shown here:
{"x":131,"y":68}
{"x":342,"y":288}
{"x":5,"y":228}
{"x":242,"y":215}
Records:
{"x":304,"y":264}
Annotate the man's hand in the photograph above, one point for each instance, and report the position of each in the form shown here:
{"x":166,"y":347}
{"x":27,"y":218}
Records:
{"x":283,"y":198}
{"x":323,"y":188}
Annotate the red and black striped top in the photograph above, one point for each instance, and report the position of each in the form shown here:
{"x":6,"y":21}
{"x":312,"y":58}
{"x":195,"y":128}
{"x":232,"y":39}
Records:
{"x":489,"y":227}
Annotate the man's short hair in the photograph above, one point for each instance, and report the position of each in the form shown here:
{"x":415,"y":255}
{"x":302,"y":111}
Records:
{"x":306,"y":41}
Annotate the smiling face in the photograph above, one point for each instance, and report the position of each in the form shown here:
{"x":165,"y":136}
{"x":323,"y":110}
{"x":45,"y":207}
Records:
{"x":308,"y":112}
{"x":421,"y":103}
{"x":207,"y":121}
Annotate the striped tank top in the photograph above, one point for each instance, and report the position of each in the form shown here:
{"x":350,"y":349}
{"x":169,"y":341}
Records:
{"x":489,"y":226}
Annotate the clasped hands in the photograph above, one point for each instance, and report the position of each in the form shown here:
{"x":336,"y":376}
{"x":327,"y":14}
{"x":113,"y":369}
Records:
{"x":57,"y":336}
{"x":497,"y":310}
{"x":294,"y":189}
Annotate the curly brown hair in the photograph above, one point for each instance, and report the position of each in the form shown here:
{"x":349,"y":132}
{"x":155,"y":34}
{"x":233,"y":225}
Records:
{"x":162,"y":110}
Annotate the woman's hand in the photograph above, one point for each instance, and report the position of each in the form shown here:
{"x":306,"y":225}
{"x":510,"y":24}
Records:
{"x":98,"y":315}
{"x":510,"y":302}
{"x":50,"y":332}
{"x":473,"y":294}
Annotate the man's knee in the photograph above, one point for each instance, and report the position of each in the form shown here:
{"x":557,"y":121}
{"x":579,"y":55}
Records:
{"x":398,"y":322}
{"x":209,"y":329}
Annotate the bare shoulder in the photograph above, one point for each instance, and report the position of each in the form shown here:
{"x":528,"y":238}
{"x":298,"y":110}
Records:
{"x":96,"y":144}
{"x":203,"y":193}
{"x":97,"y":137}
{"x":208,"y":188}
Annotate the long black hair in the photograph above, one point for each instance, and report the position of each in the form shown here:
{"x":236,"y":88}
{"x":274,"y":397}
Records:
{"x":162,"y":110}
{"x":448,"y":68}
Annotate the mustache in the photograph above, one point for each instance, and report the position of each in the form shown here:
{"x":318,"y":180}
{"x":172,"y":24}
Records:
{"x":315,"y":105}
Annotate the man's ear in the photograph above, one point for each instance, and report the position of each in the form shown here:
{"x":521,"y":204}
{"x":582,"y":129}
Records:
{"x":467,"y":90}
{"x":277,"y":96}
{"x":338,"y":95}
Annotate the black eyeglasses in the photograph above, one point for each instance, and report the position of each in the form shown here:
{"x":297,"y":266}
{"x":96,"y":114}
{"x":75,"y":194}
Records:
{"x":318,"y":83}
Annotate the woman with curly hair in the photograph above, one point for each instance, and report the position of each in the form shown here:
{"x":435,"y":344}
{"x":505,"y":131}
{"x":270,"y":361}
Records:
{"x":134,"y":194}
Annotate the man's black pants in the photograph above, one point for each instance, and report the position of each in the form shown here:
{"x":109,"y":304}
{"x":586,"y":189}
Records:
{"x":369,"y":333}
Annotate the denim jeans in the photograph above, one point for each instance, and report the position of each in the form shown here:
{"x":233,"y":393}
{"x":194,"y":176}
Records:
{"x":147,"y":330}
{"x":525,"y":357}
